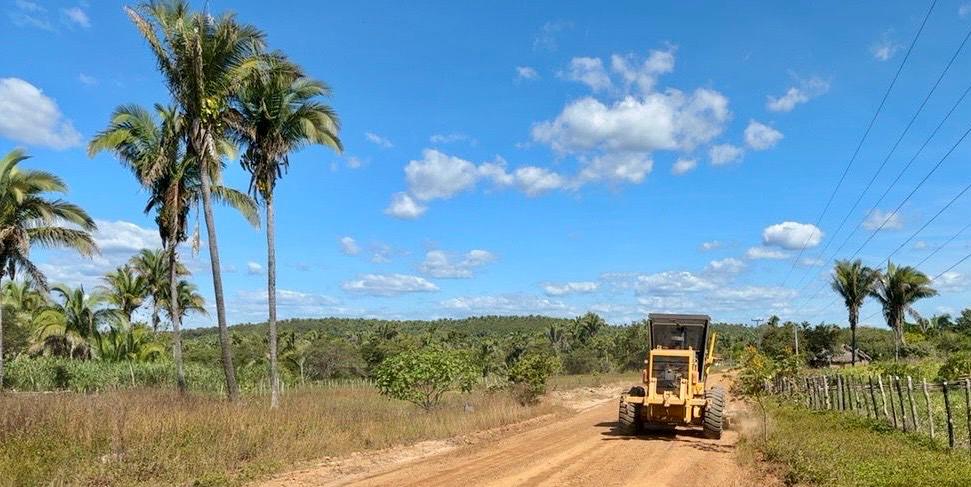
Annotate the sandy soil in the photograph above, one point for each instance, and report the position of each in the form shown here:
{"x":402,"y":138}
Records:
{"x":580,"y":449}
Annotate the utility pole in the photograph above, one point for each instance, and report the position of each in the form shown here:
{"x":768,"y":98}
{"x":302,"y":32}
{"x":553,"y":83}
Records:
{"x":795,"y":336}
{"x":758,"y":336}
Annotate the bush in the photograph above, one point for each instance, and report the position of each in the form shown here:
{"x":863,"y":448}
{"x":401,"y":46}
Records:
{"x":55,"y":373}
{"x":584,"y":360}
{"x":423,"y":376}
{"x":956,"y":366}
{"x":528,"y":376}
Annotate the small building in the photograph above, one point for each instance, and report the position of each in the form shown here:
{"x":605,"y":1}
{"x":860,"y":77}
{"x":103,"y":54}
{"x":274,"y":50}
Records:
{"x":844,"y":357}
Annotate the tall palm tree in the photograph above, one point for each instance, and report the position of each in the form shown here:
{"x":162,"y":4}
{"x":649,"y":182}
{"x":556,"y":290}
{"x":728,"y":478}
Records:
{"x":189,"y":300}
{"x":203,"y":61}
{"x":153,"y":148}
{"x":125,"y":290}
{"x":276,"y":114}
{"x":29,"y":217}
{"x":853,"y":281}
{"x":898,"y":289}
{"x":152,"y":266}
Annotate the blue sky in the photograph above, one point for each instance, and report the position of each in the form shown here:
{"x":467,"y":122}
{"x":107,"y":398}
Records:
{"x":548,"y":158}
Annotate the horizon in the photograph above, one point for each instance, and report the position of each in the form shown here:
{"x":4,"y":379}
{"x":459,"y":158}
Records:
{"x":624,"y":161}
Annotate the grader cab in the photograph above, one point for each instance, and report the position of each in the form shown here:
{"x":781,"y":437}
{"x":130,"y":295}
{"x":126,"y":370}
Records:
{"x":673,"y":391}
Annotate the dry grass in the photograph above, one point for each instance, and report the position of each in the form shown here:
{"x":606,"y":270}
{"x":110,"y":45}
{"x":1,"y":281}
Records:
{"x":153,"y":436}
{"x":562,"y":382}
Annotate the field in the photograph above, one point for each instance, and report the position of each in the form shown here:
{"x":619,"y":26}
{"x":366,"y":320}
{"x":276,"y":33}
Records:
{"x":134,"y":436}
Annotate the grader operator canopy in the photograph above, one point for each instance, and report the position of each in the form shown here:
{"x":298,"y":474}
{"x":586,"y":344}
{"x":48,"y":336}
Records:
{"x":681,"y":332}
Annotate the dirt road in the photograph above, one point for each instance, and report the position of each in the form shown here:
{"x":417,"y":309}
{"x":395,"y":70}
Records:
{"x":583,"y":449}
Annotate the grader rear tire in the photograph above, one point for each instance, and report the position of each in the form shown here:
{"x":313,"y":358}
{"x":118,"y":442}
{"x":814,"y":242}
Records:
{"x":628,"y":418}
{"x":714,"y":415}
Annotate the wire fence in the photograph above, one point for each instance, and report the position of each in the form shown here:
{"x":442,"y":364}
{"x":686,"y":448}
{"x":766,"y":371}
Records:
{"x":939,"y":411}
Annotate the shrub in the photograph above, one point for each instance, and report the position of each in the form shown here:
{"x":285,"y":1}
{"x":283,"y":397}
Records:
{"x":957,"y":365}
{"x":528,"y":376}
{"x":423,"y":376}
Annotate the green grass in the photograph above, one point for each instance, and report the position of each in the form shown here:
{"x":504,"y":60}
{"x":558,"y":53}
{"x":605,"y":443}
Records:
{"x":840,"y":449}
{"x":560,"y":382}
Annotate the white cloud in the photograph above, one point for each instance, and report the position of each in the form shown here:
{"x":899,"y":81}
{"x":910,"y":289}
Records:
{"x":124,"y":237}
{"x":792,"y":235}
{"x":643,"y":74}
{"x":920,"y":245}
{"x":77,"y":16}
{"x":439,"y":175}
{"x":450,"y":138}
{"x":683,"y":166}
{"x":380,"y":253}
{"x":507,"y":304}
{"x":441,"y":264}
{"x":722,"y":154}
{"x":671,"y":283}
{"x":756,"y":253}
{"x":964,"y":10}
{"x":252,"y":268}
{"x":349,"y":246}
{"x":759,"y":136}
{"x":581,"y":287}
{"x":796,"y":95}
{"x":378,"y":140}
{"x":527,"y":73}
{"x":883,"y":220}
{"x":30,"y":14}
{"x":589,"y":71}
{"x":87,"y":80}
{"x":729,"y":265}
{"x":405,"y":207}
{"x":546,"y":39}
{"x":30,"y":117}
{"x":952,"y":281}
{"x":388,"y":285}
{"x":885,"y":48}
{"x":710,"y":245}
{"x":353,"y":162}
{"x":534,"y":180}
{"x":624,"y":167}
{"x":811,"y":262}
{"x":671,"y":120}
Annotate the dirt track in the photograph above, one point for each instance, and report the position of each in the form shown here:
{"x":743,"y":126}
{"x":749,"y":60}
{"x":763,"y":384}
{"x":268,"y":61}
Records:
{"x":583,"y":449}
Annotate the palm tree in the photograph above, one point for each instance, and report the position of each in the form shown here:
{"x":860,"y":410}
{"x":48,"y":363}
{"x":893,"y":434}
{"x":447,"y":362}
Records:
{"x":898,"y":289}
{"x":155,"y":152}
{"x":151,"y":265}
{"x":276,"y":114}
{"x":71,"y":326}
{"x":126,"y":290}
{"x":190,"y":301}
{"x":28,"y":217}
{"x":854,"y":282}
{"x":125,"y":342}
{"x":203,"y":61}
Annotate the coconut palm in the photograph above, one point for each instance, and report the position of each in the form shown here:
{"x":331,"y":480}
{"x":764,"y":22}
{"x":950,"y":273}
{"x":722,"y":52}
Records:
{"x":126,"y":290}
{"x":153,"y":148}
{"x":274,"y":115}
{"x":71,"y":325}
{"x":203,"y":61}
{"x":151,"y":266}
{"x":853,"y":281}
{"x":28,"y":217}
{"x":190,"y":301}
{"x":897,"y":289}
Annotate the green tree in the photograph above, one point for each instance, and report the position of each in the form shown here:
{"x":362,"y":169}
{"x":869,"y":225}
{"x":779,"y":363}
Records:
{"x":587,"y":326}
{"x":853,"y":281}
{"x":274,"y":115}
{"x":125,"y":290}
{"x":754,"y":379}
{"x":529,"y":375}
{"x":28,"y":217}
{"x":189,"y":301}
{"x":70,"y":326}
{"x":423,"y":376}
{"x":204,"y":61}
{"x":897,"y":290}
{"x":151,"y":266}
{"x":154,"y":150}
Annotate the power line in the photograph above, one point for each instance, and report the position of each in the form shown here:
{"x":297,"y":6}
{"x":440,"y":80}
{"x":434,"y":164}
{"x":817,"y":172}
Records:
{"x":859,"y":145}
{"x":893,"y":149}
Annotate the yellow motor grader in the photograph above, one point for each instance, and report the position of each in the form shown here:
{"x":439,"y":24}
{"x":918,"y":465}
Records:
{"x":673,"y":392}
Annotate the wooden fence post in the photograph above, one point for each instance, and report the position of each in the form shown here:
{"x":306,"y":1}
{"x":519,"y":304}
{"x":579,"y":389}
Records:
{"x":947,"y":411}
{"x":873,"y":398}
{"x":829,"y":403}
{"x":838,"y":393}
{"x":927,"y":404}
{"x":903,"y":410}
{"x":913,"y":407}
{"x":852,"y":393}
{"x":892,"y":414}
{"x":967,"y":408}
{"x":809,"y":398}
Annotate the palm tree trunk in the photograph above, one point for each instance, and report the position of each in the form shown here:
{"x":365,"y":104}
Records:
{"x":1,"y":333}
{"x":271,"y":299}
{"x":854,"y":318}
{"x":204,"y":149}
{"x":175,"y":314}
{"x":155,"y":319}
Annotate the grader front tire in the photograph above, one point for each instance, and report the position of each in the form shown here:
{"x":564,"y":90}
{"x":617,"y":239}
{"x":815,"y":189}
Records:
{"x":714,"y":416}
{"x":628,"y":418}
